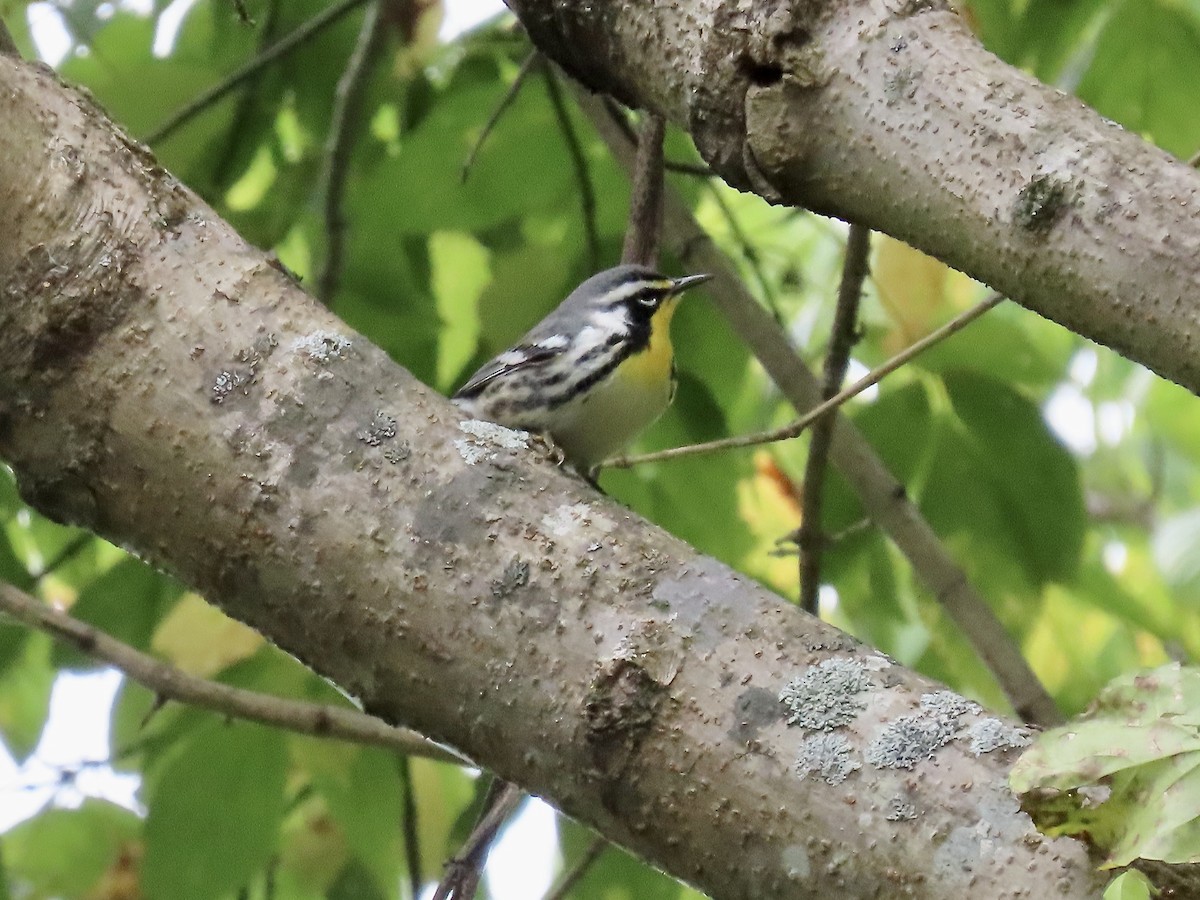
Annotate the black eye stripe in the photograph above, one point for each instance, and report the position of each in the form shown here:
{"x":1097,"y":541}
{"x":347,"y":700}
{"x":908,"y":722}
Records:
{"x":647,"y":296}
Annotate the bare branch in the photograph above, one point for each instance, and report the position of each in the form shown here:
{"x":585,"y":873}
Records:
{"x":587,"y":193}
{"x":408,"y":827}
{"x":748,"y":251}
{"x":343,"y":129}
{"x":642,"y":236}
{"x":8,"y":46}
{"x":464,"y":871}
{"x":243,"y":14}
{"x":577,"y":871}
{"x":696,"y":171}
{"x":810,"y":537}
{"x":796,"y":428}
{"x":217,"y":92}
{"x":320,"y":720}
{"x":505,"y":102}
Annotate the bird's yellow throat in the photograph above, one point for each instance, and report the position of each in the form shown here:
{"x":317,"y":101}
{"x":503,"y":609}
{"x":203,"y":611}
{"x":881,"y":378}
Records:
{"x":653,"y":365}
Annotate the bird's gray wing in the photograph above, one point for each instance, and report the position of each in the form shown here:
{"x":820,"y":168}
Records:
{"x":519,"y":357}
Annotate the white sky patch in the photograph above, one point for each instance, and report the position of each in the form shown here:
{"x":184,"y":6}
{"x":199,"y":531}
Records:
{"x":75,"y":738}
{"x":169,"y":24}
{"x":520,"y":865}
{"x":854,"y":371}
{"x":1115,"y":555}
{"x":1114,"y":419}
{"x":1082,"y":367}
{"x":51,"y":39}
{"x":463,"y":15}
{"x":1072,"y":417}
{"x":827,"y":600}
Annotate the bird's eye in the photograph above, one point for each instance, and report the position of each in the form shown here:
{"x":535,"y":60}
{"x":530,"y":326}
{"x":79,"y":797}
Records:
{"x":650,"y":300}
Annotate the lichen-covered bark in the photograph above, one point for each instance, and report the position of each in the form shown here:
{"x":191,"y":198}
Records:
{"x":890,"y":113}
{"x":164,"y":385}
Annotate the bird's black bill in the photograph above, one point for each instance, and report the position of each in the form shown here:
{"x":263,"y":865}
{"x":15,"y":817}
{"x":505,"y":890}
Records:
{"x":679,"y":285}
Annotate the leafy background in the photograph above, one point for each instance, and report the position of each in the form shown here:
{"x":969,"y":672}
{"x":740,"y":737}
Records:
{"x":1060,"y":475}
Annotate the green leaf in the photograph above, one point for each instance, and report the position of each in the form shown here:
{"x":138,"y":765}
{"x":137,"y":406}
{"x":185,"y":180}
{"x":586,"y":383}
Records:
{"x":1029,"y":353}
{"x":214,"y":812}
{"x":1145,"y":73}
{"x":12,"y":639}
{"x":364,"y":796}
{"x":1044,"y":36}
{"x":460,"y":272}
{"x":65,"y":852}
{"x":25,"y":688}
{"x":1034,"y":478}
{"x":1142,"y":742}
{"x":354,"y":882}
{"x":523,"y":166}
{"x":615,"y":874}
{"x":441,"y":792}
{"x":968,"y":512}
{"x":1130,"y":885}
{"x":127,"y":602}
{"x":1176,"y":545}
{"x":899,"y":426}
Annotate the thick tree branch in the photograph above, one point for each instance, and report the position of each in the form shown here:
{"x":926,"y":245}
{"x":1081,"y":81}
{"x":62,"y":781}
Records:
{"x":169,"y":683}
{"x":162,"y":384}
{"x":890,"y":113}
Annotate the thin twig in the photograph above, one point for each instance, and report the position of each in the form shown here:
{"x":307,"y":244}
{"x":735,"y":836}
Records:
{"x":464,"y":871}
{"x":587,"y":193}
{"x":239,"y":7}
{"x":8,"y":46}
{"x":809,"y":536}
{"x":305,"y":32}
{"x":408,"y":826}
{"x":247,"y":111}
{"x":321,"y":720}
{"x":343,"y":130}
{"x":644,"y":231}
{"x":796,"y":428}
{"x":693,"y":169}
{"x":593,"y":852}
{"x":750,"y":254}
{"x":505,"y":102}
{"x":66,"y":554}
{"x":883,"y":498}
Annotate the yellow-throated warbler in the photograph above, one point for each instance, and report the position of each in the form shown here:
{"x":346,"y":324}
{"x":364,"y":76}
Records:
{"x":594,"y":372}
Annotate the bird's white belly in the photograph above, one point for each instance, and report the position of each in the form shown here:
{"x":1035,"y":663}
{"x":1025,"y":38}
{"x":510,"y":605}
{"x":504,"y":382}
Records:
{"x":607,"y":417}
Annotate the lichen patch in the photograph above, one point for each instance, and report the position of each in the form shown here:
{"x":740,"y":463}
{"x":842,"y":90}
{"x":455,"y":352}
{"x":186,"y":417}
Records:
{"x":825,"y":696}
{"x":484,"y":439}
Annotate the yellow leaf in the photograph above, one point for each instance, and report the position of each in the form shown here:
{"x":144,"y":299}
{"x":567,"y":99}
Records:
{"x":202,"y":640}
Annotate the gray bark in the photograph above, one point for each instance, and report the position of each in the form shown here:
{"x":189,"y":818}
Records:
{"x":162,"y":384}
{"x":890,"y":113}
